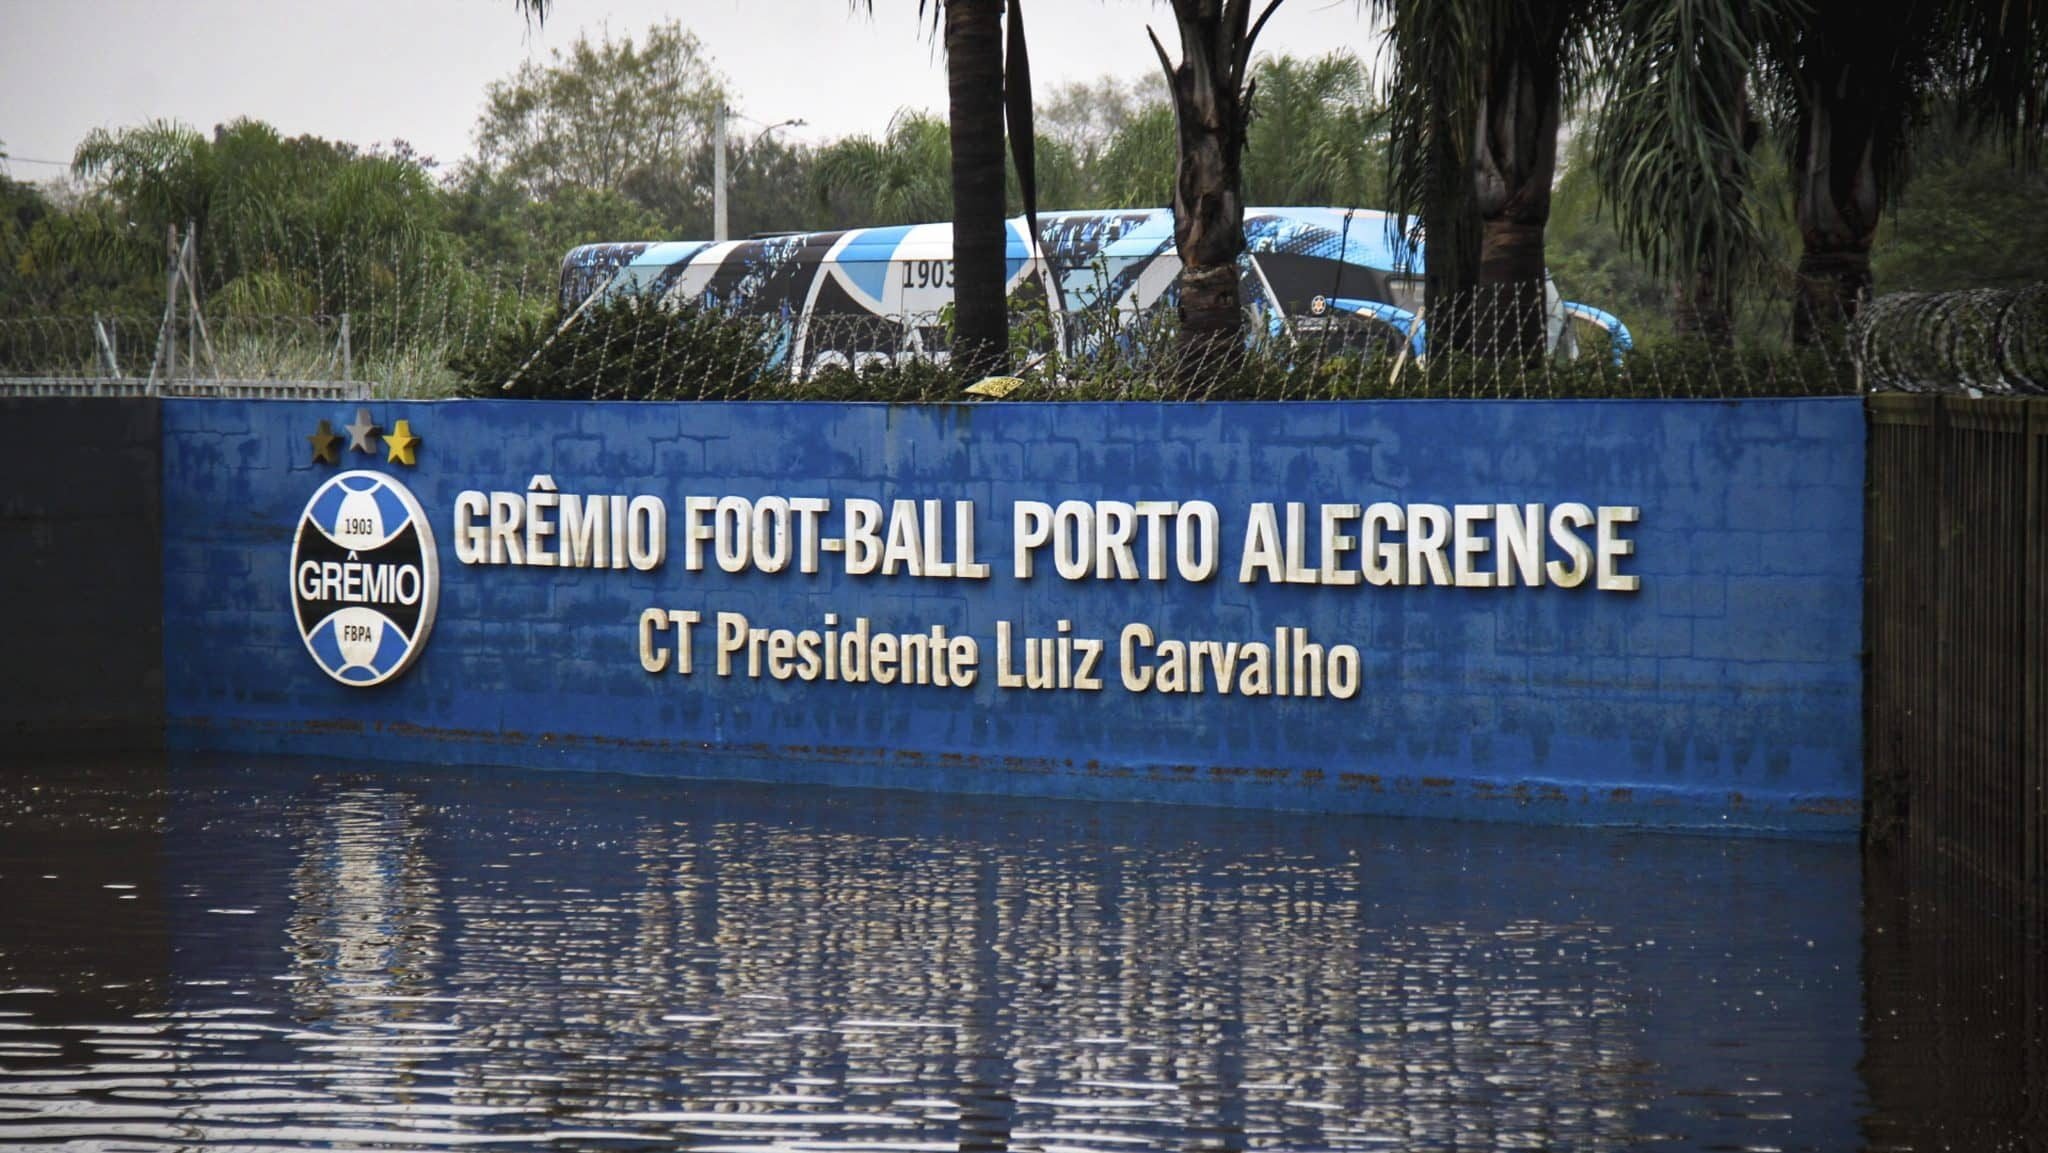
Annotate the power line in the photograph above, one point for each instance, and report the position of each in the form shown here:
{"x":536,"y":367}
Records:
{"x":33,"y":160}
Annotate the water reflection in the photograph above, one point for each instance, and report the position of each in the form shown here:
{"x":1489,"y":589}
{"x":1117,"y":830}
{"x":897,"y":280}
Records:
{"x":338,"y":958}
{"x":1957,"y":1011}
{"x":365,"y":906}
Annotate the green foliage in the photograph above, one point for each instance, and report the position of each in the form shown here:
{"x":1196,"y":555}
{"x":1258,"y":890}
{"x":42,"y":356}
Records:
{"x":771,"y":190}
{"x":635,"y":349}
{"x":1137,"y":166}
{"x":910,"y":382}
{"x":1969,"y":220}
{"x":632,"y":348}
{"x":904,"y":178}
{"x":299,"y":226}
{"x":428,"y":263}
{"x":1079,"y":123}
{"x":1591,"y":262}
{"x":1316,"y":136}
{"x":1677,"y":135}
{"x":522,"y":240}
{"x":59,"y":258}
{"x":601,"y":114}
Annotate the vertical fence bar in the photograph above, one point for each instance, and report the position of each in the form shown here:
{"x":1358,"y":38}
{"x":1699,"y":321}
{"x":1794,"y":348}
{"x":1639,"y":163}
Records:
{"x":1985,"y":596}
{"x":1941,"y":448}
{"x":2034,"y":744}
{"x":1900,"y":545}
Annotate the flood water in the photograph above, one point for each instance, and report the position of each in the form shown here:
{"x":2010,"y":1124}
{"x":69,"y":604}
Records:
{"x":276,"y":955}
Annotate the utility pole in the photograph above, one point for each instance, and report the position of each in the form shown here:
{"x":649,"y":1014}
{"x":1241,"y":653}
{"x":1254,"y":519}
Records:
{"x":720,"y":122}
{"x":718,"y":219}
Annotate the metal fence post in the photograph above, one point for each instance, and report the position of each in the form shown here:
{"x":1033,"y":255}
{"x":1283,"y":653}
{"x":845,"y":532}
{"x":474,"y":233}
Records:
{"x":167,"y":341}
{"x":2034,"y":694}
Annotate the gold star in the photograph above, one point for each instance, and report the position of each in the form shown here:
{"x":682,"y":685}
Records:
{"x":324,"y":444}
{"x":402,"y":443}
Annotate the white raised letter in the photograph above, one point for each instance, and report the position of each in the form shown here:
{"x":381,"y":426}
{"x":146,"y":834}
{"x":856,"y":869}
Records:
{"x":647,"y":532}
{"x":1382,"y":558}
{"x":1033,"y":527}
{"x":1563,"y":519}
{"x":1467,"y":542}
{"x":652,"y":658}
{"x":1261,"y":545}
{"x":1429,"y":526}
{"x":1612,"y":546}
{"x":863,"y":544}
{"x":472,"y":540}
{"x":697,"y":529}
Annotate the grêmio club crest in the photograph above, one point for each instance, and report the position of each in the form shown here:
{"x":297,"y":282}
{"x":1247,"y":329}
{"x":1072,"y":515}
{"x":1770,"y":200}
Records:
{"x":365,"y":578}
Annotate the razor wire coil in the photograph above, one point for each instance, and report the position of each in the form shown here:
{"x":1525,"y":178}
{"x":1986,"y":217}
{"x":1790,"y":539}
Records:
{"x":1982,"y":341}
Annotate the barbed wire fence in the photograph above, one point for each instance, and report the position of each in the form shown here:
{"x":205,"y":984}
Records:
{"x":272,"y":306}
{"x":1513,"y":342}
{"x":384,"y":317}
{"x":1987,"y":342}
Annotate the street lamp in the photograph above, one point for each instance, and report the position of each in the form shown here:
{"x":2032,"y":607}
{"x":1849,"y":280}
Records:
{"x":792,"y":122}
{"x":719,"y":228}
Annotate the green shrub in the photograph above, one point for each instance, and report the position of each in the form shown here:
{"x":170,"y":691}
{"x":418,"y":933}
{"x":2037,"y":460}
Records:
{"x":630,"y":348}
{"x":637,"y":349}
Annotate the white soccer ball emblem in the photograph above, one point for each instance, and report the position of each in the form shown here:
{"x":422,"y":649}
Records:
{"x":342,"y":604}
{"x":359,"y":631}
{"x":359,"y":523}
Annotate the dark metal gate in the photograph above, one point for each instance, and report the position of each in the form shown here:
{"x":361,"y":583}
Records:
{"x":1957,"y":621}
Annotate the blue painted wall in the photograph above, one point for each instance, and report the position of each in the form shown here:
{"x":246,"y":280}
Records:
{"x":1725,"y":693}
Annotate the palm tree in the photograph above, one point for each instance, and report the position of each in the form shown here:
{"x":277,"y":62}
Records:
{"x":983,"y":89}
{"x":1478,"y":91}
{"x":1316,"y":138}
{"x":1211,"y":109}
{"x":1676,"y":148}
{"x":1852,"y":81}
{"x":975,"y":89}
{"x":1432,"y":103}
{"x":1859,"y":81}
{"x":1850,"y":85}
{"x":904,"y":178}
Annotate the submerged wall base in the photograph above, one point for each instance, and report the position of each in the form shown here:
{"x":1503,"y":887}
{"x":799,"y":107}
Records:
{"x":81,"y":661}
{"x":1227,"y":786}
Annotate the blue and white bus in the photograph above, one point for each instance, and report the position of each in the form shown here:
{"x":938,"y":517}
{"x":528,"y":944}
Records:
{"x":874,"y":294}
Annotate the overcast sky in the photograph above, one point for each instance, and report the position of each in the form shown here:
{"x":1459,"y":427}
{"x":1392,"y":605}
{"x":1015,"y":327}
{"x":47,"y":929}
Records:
{"x":370,"y":71}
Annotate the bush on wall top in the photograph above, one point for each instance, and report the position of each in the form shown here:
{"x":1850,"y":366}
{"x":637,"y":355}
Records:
{"x":636,"y":348}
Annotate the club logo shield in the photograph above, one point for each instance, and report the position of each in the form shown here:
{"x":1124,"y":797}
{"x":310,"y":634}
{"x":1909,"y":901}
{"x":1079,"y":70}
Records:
{"x":365,"y":578}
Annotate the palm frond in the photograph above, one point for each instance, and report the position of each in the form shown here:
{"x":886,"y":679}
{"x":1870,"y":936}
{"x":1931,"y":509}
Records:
{"x":1996,"y":70}
{"x":903,"y":178}
{"x":1675,"y":138}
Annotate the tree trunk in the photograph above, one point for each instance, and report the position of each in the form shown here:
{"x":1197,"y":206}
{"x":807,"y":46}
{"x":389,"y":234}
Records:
{"x":1514,"y":164}
{"x":1452,"y":240}
{"x":1208,"y":223}
{"x":1837,"y":208}
{"x":1833,"y":285}
{"x":1701,"y":309}
{"x":974,"y":81}
{"x":1509,"y":307}
{"x":1210,"y":111}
